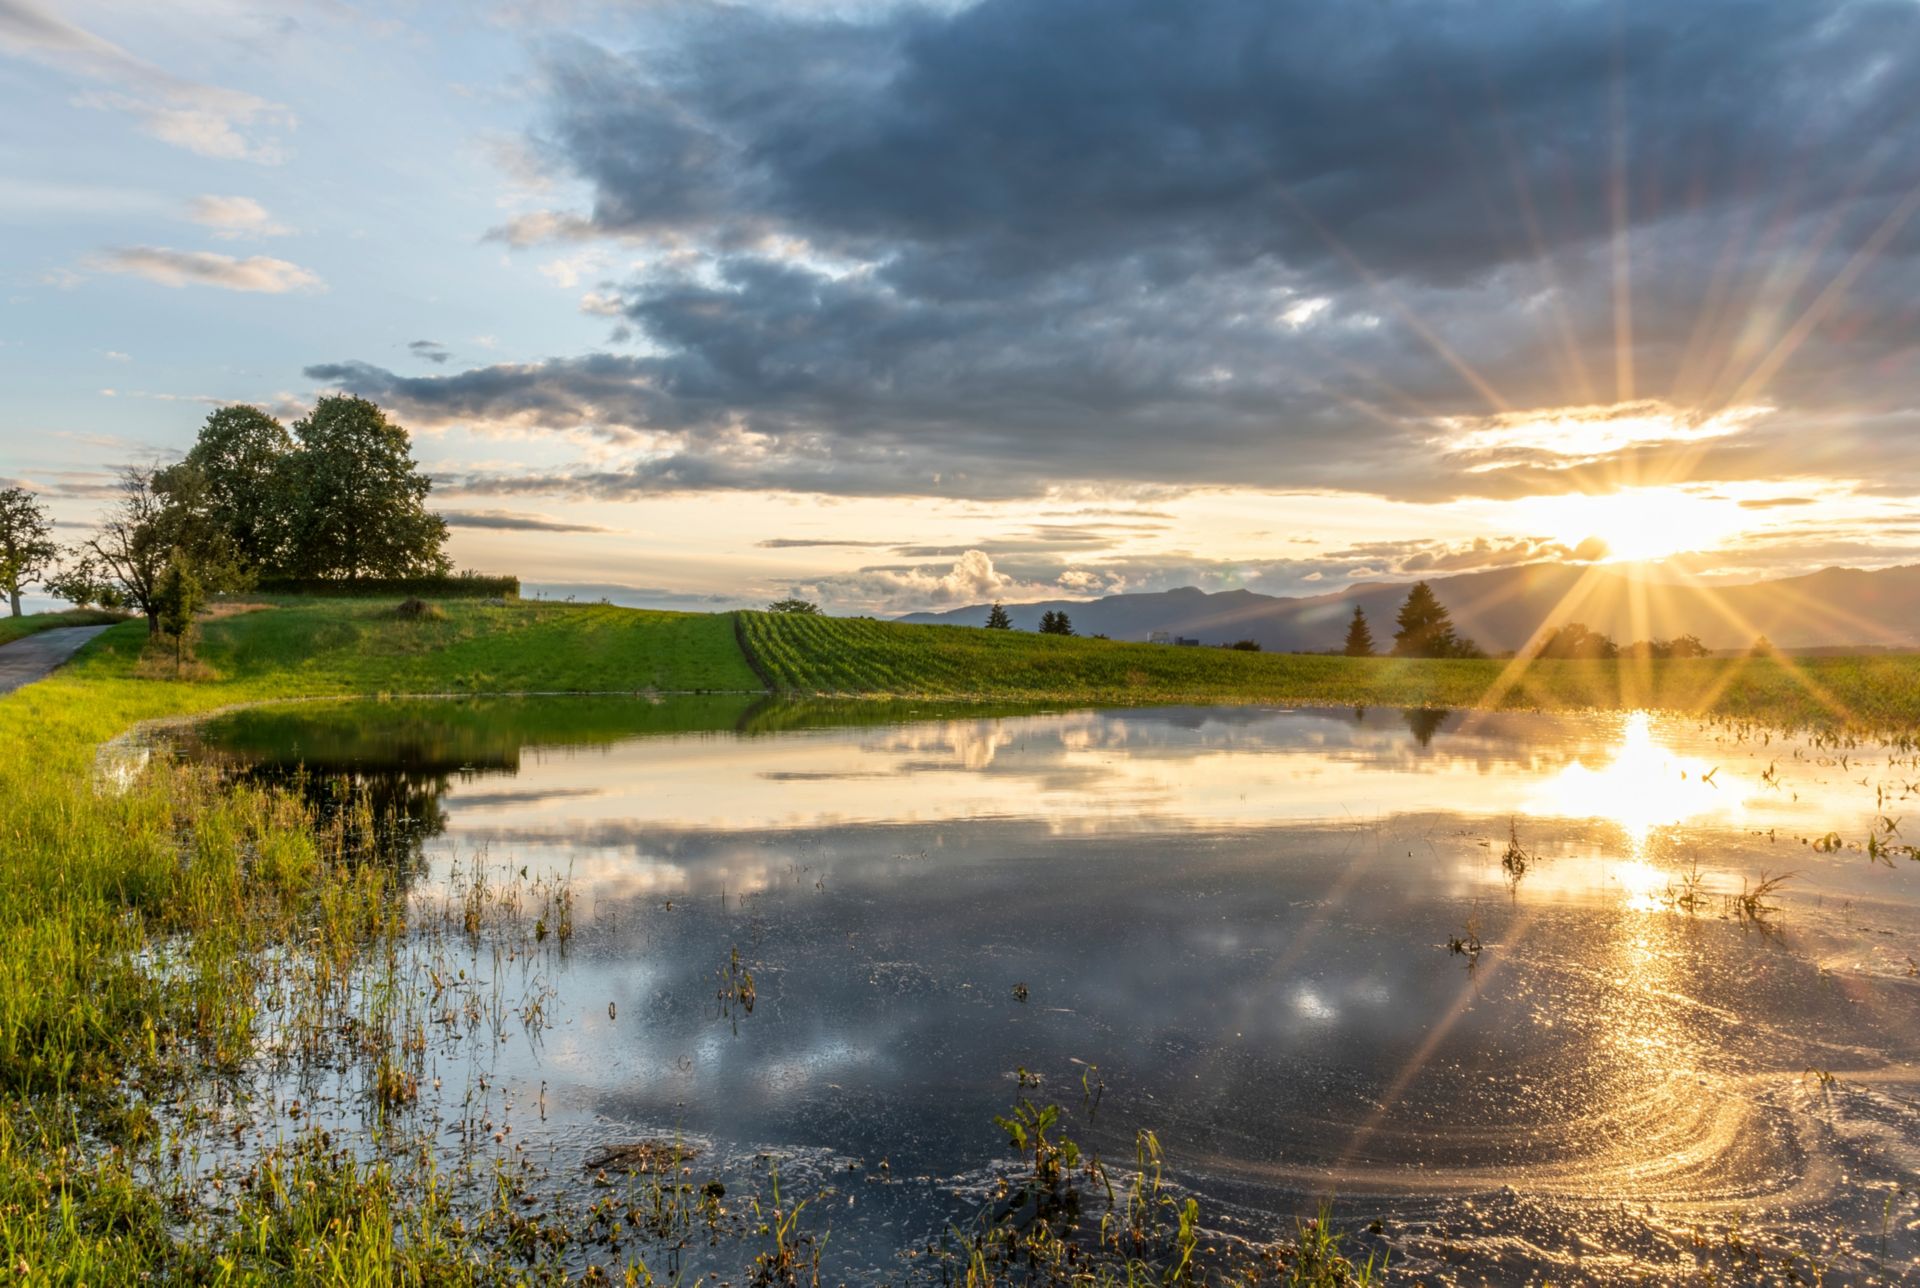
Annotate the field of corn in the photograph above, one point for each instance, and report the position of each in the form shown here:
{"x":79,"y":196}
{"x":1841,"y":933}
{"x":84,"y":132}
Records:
{"x":860,"y":656}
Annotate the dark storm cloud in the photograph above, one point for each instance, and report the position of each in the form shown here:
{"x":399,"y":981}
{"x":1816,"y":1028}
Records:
{"x":1263,"y":242}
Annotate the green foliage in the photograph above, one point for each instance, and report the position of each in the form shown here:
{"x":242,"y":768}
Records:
{"x":998,"y":619}
{"x":1678,"y":646}
{"x":1359,"y":635}
{"x":802,"y":607}
{"x":1574,"y":640}
{"x":461,"y":585}
{"x":1426,"y":628}
{"x":177,"y":598}
{"x":359,"y":501}
{"x":26,"y":542}
{"x":241,"y":455}
{"x":1243,"y":646}
{"x":1055,"y":623}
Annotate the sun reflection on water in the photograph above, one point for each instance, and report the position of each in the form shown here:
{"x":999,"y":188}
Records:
{"x":1645,"y":785}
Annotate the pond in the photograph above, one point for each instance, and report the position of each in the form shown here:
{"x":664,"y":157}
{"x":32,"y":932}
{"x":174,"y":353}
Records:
{"x":1486,"y":982}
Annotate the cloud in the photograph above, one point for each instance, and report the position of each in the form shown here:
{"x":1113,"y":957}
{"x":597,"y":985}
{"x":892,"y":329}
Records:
{"x":430,"y":350}
{"x":176,"y":268}
{"x":807,"y":543}
{"x":206,"y":119}
{"x":233,"y":217}
{"x":514,"y":521}
{"x":990,"y":251}
{"x":970,"y":578}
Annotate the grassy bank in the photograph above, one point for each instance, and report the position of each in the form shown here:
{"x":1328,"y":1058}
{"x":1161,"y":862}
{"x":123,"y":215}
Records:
{"x":139,"y":924}
{"x":13,"y":628}
{"x":825,"y":655}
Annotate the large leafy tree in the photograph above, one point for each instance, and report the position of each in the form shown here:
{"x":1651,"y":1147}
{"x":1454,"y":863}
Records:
{"x":242,"y":456}
{"x":1426,"y":628}
{"x":27,"y":549}
{"x":359,"y":500}
{"x":1359,"y":635}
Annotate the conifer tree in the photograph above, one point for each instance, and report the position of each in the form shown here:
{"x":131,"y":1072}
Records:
{"x":1359,"y":635}
{"x":1426,"y":628}
{"x":998,"y":619}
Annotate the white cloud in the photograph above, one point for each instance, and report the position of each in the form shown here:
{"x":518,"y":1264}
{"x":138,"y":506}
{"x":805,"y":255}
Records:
{"x":207,"y":119}
{"x":231,"y":217}
{"x":171,"y":267}
{"x":114,"y":355}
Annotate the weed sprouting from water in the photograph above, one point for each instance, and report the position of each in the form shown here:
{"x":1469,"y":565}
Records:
{"x":1514,"y":861}
{"x":1752,"y":905}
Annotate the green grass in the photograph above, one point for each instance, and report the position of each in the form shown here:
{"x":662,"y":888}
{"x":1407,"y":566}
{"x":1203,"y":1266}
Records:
{"x":853,"y":656}
{"x":13,"y":628}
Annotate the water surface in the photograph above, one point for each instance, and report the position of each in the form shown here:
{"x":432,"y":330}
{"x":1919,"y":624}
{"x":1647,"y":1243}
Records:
{"x":1233,"y":924}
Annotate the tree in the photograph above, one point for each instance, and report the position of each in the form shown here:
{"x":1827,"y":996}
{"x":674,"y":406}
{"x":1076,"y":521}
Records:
{"x":244,"y":456}
{"x":177,"y":597}
{"x":1574,"y":640}
{"x":26,"y":542}
{"x":78,"y":582}
{"x":798,"y":607}
{"x":1245,"y":646}
{"x":1055,"y":623}
{"x":1359,"y":635}
{"x":1686,"y":646}
{"x":359,"y":500}
{"x":130,"y":553}
{"x":998,"y":619}
{"x":1426,"y":628}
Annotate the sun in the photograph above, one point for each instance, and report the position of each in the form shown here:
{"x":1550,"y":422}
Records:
{"x":1634,"y":524}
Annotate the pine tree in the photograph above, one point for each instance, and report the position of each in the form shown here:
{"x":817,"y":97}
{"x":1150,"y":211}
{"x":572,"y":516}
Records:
{"x":1426,"y":628}
{"x":1055,"y":623}
{"x":1359,"y":635}
{"x":998,"y":618}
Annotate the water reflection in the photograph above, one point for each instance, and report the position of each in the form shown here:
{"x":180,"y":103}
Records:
{"x":1239,"y":915}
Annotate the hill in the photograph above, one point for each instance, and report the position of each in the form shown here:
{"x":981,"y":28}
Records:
{"x":1504,"y":608}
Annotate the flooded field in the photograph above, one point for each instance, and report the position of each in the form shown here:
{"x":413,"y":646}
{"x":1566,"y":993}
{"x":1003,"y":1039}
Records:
{"x":1587,"y":999}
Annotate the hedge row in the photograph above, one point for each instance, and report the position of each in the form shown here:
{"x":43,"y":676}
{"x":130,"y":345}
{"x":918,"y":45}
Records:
{"x":470,"y":585}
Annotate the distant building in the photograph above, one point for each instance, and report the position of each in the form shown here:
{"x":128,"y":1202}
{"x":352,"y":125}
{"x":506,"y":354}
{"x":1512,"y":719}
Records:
{"x":1159,"y":637}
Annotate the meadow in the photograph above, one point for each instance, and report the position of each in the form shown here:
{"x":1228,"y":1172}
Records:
{"x":856,"y":656}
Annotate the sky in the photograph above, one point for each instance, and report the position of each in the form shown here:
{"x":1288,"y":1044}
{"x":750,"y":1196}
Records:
{"x":905,"y":306}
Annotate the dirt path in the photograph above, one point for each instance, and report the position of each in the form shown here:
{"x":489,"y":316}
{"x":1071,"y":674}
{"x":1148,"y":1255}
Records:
{"x":34,"y":657}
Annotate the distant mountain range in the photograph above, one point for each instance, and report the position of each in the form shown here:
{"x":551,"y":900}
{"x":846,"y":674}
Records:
{"x":1504,"y":608}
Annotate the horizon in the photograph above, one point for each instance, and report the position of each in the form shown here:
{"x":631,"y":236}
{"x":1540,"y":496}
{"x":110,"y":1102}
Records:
{"x":1521,"y":295}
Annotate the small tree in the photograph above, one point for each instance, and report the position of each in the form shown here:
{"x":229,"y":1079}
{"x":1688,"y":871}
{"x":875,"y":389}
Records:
{"x":1055,"y":623}
{"x":1686,"y":646}
{"x":1359,"y":635}
{"x":998,"y":619}
{"x":26,"y":542}
{"x":798,"y":607}
{"x":177,"y":598}
{"x":1245,"y":646}
{"x":130,"y":553}
{"x":78,"y":582}
{"x":1426,"y":628}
